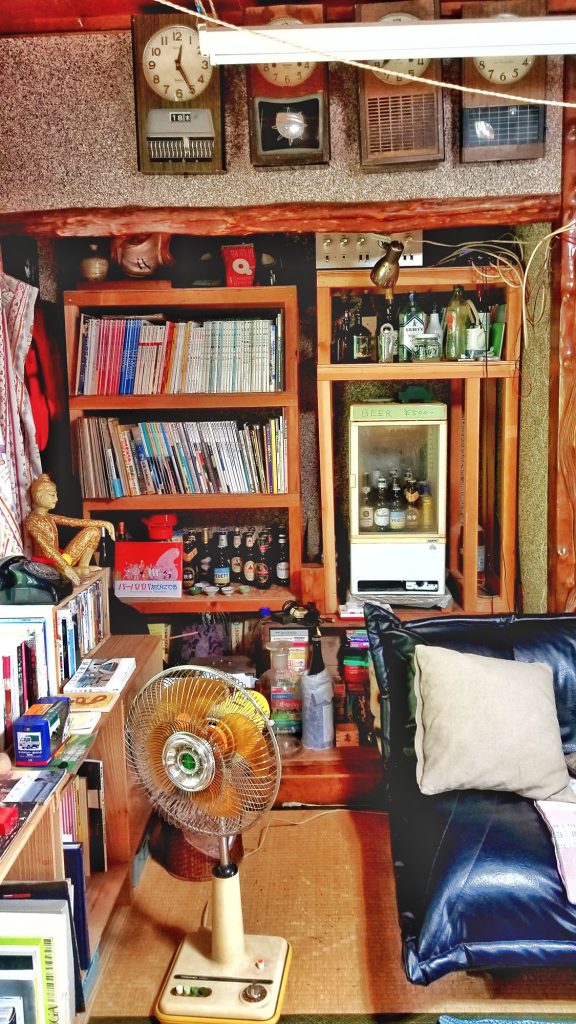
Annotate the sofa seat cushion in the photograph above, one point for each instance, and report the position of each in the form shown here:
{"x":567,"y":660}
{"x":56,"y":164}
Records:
{"x":483,"y":893}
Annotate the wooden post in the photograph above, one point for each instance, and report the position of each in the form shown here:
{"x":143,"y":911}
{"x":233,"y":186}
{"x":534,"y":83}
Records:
{"x":562,"y":435}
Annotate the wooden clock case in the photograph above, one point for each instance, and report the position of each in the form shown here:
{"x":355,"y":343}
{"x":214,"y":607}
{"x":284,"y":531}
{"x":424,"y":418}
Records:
{"x":399,"y":123}
{"x":143,"y":27}
{"x":307,"y":100}
{"x":495,"y":128}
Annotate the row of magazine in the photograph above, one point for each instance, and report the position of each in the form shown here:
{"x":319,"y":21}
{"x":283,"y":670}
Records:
{"x":150,"y":355}
{"x":118,"y":460}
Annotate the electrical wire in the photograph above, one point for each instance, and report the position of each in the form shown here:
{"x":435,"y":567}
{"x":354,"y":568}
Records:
{"x":363,"y":66}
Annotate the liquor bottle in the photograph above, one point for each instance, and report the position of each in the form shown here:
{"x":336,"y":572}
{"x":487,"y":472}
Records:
{"x":366,"y":505}
{"x":317,"y":701}
{"x":190,"y":561}
{"x":369,"y":319}
{"x":121,"y":531}
{"x":435,"y":326}
{"x":340,"y":337}
{"x":426,"y":506}
{"x":282,"y":560}
{"x":221,"y":564}
{"x":236,"y":560}
{"x":105,"y":549}
{"x":205,"y":558}
{"x":248,"y":568}
{"x":483,"y":310}
{"x":411,"y":322}
{"x":263,"y":570}
{"x":412,"y":498}
{"x":381,"y":509}
{"x":387,"y":345}
{"x":358,"y":342}
{"x":397,"y":509}
{"x":458,"y":318}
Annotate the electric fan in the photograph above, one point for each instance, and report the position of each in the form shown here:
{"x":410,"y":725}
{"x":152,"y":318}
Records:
{"x":204,"y":750}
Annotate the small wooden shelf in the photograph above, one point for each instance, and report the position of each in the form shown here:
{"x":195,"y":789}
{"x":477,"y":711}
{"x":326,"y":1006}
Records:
{"x":273,"y":598}
{"x":492,"y":369}
{"x":161,"y":502}
{"x":238,"y":400}
{"x":352,"y":776}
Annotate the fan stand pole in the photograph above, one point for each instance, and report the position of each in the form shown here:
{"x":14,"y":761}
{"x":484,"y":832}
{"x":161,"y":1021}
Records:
{"x":228,"y":944}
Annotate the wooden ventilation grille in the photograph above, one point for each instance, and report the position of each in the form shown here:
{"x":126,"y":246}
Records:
{"x":402,"y":123}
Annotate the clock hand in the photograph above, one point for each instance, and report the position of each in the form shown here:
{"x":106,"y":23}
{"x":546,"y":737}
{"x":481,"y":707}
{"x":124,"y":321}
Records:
{"x":181,"y":71}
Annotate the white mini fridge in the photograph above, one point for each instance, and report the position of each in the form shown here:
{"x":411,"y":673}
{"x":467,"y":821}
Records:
{"x":398,"y":471}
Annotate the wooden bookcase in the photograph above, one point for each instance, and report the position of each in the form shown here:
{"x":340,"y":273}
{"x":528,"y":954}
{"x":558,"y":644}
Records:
{"x":48,"y":614}
{"x":483,"y":417}
{"x":37,"y":852}
{"x":187,"y":302}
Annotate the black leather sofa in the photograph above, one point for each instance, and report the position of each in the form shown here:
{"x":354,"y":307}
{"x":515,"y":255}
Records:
{"x":477,"y":884}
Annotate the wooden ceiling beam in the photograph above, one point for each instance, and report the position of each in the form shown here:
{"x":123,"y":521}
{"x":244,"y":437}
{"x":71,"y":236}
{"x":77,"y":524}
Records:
{"x":299,"y":218}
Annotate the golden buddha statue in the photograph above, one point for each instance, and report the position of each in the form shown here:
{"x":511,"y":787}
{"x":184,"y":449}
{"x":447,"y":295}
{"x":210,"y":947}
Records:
{"x":74,"y":560}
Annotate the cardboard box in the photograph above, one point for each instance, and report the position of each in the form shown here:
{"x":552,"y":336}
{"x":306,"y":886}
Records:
{"x":149,"y":568}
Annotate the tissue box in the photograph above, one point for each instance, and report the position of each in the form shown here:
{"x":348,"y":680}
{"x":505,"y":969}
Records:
{"x":41,"y":731}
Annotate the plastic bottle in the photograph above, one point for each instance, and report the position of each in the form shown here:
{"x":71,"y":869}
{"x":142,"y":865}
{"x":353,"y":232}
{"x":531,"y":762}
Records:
{"x":317,"y":702}
{"x":285,"y":701}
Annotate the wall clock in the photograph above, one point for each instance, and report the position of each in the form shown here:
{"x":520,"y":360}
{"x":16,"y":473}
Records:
{"x":401,"y":120}
{"x":178,"y":98}
{"x":287,"y":103}
{"x":494,"y":128}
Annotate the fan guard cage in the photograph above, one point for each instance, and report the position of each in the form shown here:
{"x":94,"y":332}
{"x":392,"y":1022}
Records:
{"x":203,"y":750}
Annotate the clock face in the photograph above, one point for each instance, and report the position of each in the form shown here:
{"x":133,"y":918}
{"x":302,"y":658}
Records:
{"x":503,"y":69}
{"x":393,"y":71}
{"x":286,"y":75}
{"x":173,"y":65}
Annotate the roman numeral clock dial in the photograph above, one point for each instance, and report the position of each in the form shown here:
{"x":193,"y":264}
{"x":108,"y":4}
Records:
{"x":178,"y":98}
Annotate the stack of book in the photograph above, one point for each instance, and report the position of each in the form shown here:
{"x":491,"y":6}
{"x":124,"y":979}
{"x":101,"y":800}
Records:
{"x":213,"y":457}
{"x":149,"y":355}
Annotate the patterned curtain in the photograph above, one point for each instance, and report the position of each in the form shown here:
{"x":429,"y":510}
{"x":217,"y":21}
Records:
{"x":19,"y":454}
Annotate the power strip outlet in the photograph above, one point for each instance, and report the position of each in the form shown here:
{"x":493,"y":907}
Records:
{"x":357,"y":250}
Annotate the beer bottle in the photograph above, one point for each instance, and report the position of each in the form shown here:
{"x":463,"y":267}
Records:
{"x":205,"y":558}
{"x":190,"y":561}
{"x":366,"y":507}
{"x":282,"y":559}
{"x":236,"y":560}
{"x":263,"y":571}
{"x":397,"y":509}
{"x":221,"y":565}
{"x":381,"y":511}
{"x":248,"y":567}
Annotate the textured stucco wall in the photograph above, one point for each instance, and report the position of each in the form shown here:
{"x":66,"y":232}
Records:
{"x":67,"y":138}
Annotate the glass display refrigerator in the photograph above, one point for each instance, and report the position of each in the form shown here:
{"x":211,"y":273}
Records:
{"x":398,"y":474}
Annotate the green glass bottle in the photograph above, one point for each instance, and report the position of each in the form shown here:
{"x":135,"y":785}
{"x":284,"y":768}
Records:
{"x":411,"y":322}
{"x":458,"y":318}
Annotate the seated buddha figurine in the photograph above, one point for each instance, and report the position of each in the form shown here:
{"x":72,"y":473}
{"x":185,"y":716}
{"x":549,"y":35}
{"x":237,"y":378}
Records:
{"x":74,"y":560}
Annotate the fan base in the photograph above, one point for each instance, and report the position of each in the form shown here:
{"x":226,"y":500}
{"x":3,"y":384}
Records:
{"x":218,"y":991}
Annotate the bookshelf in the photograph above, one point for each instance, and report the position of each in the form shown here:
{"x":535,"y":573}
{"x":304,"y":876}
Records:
{"x":483,"y":400}
{"x":87,"y":606}
{"x":192,"y":406}
{"x":37,"y":852}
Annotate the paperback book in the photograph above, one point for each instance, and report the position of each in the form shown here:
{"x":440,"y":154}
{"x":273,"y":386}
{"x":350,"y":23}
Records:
{"x":97,"y":675}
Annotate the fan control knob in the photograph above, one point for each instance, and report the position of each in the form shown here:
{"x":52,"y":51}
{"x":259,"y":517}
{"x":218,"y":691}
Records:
{"x":255,"y":992}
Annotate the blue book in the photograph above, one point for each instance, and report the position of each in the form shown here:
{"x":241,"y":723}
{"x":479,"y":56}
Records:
{"x":133,"y":356}
{"x":126,"y":341}
{"x":74,"y":866}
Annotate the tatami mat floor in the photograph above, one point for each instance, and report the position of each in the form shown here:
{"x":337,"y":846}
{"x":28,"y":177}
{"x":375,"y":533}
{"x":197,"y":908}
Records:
{"x":325,"y":883}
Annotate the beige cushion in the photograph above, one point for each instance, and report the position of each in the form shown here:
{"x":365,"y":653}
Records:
{"x":487,"y":723}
